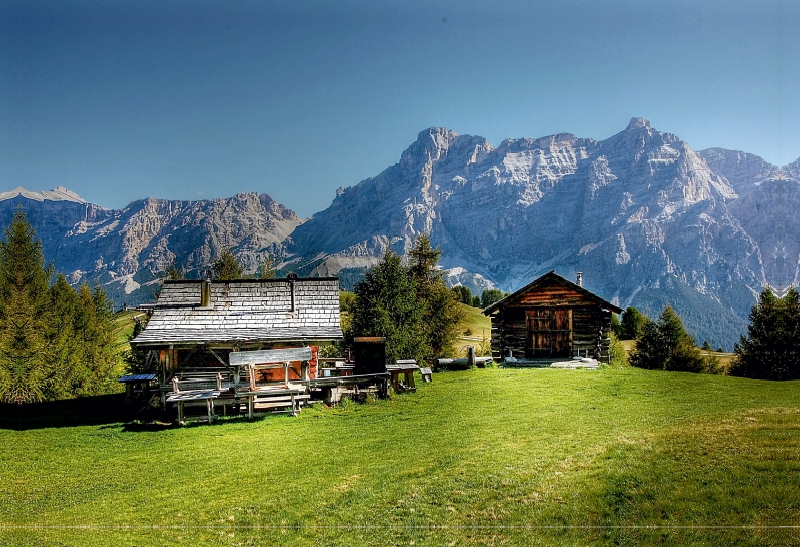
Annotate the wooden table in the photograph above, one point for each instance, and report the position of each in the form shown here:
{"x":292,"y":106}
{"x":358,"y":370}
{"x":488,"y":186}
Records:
{"x":182,"y":397}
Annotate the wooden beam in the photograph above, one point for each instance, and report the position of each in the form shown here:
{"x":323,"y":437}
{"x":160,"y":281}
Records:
{"x":240,"y":358}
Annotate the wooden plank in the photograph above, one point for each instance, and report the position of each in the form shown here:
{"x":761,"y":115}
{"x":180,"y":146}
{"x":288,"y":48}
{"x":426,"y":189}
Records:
{"x":243,"y":358}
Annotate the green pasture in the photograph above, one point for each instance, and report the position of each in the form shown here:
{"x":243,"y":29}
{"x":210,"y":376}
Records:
{"x":489,"y":456}
{"x":477,"y":324}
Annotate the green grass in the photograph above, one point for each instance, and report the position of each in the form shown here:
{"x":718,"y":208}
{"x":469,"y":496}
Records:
{"x":478,"y":324}
{"x":473,"y":458}
{"x":123,"y":327}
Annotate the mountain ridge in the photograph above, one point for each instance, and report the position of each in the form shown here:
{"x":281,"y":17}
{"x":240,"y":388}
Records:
{"x":648,"y":219}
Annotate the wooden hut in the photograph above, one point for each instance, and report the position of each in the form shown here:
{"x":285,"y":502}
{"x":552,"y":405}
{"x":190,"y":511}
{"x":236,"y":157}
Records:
{"x":197,"y":325}
{"x":551,"y":318}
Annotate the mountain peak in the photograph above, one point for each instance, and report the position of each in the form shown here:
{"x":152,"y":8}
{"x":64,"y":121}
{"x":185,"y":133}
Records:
{"x":56,"y":194}
{"x":638,"y":123}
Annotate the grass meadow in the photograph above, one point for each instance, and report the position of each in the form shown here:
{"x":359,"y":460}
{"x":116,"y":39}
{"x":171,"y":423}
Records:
{"x":615,"y":456}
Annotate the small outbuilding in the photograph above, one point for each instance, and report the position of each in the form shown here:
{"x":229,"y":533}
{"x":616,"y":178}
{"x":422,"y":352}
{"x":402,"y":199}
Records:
{"x":551,"y":318}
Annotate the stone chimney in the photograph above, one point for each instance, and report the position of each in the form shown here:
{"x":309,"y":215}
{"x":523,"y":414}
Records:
{"x":580,"y":279}
{"x":205,"y":291}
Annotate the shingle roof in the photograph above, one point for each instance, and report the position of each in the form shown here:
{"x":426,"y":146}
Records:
{"x":245,"y":311}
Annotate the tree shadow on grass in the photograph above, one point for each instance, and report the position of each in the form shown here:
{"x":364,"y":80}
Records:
{"x":105,"y":410}
{"x":100,"y":410}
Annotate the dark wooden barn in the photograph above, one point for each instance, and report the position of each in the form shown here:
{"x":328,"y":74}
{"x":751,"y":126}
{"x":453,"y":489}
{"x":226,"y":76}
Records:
{"x":551,"y":318}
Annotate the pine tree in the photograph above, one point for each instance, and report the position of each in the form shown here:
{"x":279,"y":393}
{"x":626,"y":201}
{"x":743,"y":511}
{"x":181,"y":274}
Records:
{"x":632,"y":324}
{"x":441,"y":314}
{"x":770,"y":351}
{"x":386,"y":305}
{"x":27,"y":374}
{"x":226,"y":266}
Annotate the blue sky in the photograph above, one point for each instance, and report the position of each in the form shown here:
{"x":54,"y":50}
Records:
{"x":189,"y":100}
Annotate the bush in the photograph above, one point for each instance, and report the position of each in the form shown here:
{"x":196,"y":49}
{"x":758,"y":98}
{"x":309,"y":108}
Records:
{"x":665,"y":345}
{"x":617,"y":355}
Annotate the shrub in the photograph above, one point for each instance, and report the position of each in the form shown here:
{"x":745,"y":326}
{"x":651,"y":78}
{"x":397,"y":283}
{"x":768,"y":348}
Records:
{"x":665,"y":345}
{"x":617,"y":355}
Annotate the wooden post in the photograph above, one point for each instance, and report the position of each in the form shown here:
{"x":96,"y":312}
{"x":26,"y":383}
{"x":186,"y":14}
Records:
{"x":219,"y":381}
{"x":174,"y":384}
{"x":471,"y":356}
{"x":252,"y":370}
{"x":180,"y":412}
{"x":286,"y":373}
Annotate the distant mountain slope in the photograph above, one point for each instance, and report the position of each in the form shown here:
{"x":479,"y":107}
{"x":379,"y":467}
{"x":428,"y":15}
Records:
{"x":128,"y":249}
{"x":645,"y":217}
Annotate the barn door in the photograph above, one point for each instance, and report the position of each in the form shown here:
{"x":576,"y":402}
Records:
{"x":548,"y":332}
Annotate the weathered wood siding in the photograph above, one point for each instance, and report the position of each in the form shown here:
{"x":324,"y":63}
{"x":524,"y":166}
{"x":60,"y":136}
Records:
{"x":553,"y":320}
{"x":552,"y":296}
{"x":511,"y":331}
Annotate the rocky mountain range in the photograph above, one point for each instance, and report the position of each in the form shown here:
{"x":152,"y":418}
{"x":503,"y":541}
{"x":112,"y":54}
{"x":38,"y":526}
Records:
{"x":647,"y":219}
{"x":128,"y":250}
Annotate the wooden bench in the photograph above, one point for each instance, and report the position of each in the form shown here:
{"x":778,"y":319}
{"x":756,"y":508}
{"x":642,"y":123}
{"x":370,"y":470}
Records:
{"x":272,"y":398}
{"x":427,"y":374}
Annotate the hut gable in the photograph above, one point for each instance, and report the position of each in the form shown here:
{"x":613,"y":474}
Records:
{"x":242,"y":311}
{"x":551,"y":317}
{"x":552,"y":290}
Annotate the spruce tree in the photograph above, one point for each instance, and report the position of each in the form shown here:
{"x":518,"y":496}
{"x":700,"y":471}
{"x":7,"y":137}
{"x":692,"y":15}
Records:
{"x":27,"y":373}
{"x":682,"y":355}
{"x":441,"y":314}
{"x":54,"y":343}
{"x":665,"y":345}
{"x":791,"y":302}
{"x":226,"y":266}
{"x":770,"y":349}
{"x":649,"y":351}
{"x":66,"y":347}
{"x":632,"y":324}
{"x":386,"y":305}
{"x":490,"y":296}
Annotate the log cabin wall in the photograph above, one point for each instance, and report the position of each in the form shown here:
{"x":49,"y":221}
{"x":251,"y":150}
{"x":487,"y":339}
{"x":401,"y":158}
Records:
{"x":590,"y":325}
{"x":554,"y":319}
